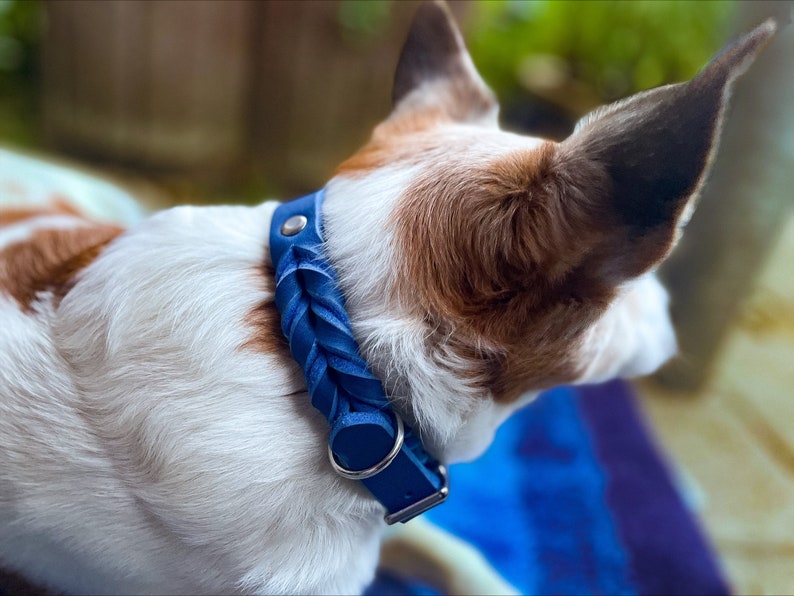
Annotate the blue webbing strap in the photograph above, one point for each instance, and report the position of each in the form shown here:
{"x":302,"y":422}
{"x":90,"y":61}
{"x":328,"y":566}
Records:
{"x":341,"y":386}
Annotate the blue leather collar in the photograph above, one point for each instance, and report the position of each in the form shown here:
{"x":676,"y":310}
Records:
{"x":368,"y":440}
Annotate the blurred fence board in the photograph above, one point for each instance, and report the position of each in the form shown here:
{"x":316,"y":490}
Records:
{"x":319,"y":89}
{"x":281,"y":91}
{"x":158,"y":83}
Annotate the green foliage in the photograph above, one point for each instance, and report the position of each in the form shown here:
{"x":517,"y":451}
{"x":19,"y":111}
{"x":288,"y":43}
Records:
{"x":20,"y":29}
{"x":361,"y":20}
{"x":612,"y":47}
{"x":19,"y":37}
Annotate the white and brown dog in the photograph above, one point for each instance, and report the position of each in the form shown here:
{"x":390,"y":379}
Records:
{"x":156,"y":436}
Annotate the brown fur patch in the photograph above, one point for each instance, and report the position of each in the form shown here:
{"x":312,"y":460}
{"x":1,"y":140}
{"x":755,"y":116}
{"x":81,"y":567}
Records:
{"x":50,"y":259}
{"x":265,"y":320}
{"x":494,"y":259}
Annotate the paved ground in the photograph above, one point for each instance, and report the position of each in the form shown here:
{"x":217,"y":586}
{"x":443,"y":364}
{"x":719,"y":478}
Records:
{"x":733,"y":442}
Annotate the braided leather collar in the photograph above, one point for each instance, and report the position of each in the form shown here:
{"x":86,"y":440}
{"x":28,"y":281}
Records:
{"x":368,"y":440}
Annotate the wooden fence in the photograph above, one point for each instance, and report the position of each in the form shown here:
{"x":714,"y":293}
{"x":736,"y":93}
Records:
{"x":276,"y":90}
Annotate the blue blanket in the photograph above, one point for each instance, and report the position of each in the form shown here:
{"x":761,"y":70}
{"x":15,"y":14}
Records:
{"x":574,"y":498}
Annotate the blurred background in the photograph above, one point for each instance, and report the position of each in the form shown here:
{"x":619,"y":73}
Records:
{"x":242,"y":98}
{"x":234,"y":101}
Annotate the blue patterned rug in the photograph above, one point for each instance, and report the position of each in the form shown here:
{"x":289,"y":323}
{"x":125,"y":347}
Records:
{"x":573,"y":497}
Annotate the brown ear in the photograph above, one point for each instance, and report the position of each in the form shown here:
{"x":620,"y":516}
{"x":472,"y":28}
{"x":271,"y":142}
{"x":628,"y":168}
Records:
{"x":435,"y":70}
{"x":652,"y":152}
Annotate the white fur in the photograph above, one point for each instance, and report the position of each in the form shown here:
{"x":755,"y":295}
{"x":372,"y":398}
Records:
{"x":145,"y":450}
{"x":634,"y":337}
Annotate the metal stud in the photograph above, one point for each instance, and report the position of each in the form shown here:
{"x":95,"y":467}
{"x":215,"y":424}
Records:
{"x":293,"y":225}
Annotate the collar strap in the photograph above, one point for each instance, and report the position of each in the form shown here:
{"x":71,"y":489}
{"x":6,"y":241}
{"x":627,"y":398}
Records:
{"x":368,"y":440}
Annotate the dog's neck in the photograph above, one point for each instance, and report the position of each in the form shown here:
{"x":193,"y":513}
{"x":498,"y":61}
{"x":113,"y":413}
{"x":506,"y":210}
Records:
{"x":341,"y":385}
{"x":425,"y":382}
{"x":422,"y":364}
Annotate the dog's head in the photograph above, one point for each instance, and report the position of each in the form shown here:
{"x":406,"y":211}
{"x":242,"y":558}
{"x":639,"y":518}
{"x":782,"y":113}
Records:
{"x":513,"y":263}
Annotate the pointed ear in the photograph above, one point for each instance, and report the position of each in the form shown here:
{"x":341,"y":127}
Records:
{"x":650,"y":154}
{"x":435,"y":70}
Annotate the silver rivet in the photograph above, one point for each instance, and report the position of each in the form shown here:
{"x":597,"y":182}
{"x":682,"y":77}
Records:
{"x":293,"y":225}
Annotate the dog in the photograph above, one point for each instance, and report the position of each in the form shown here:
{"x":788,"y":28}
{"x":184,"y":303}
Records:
{"x":156,"y":434}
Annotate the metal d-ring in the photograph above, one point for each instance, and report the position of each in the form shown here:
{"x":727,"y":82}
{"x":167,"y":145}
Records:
{"x":378,"y":467}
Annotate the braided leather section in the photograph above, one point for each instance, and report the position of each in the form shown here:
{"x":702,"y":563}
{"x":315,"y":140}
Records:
{"x":314,"y":320}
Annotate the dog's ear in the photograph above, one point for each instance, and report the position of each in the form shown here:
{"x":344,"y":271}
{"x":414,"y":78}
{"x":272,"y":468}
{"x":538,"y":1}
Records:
{"x":435,"y":71}
{"x":647,"y":157}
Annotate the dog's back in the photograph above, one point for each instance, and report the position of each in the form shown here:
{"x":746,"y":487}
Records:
{"x":143,"y":364}
{"x":43,"y":246}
